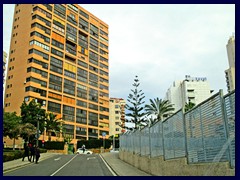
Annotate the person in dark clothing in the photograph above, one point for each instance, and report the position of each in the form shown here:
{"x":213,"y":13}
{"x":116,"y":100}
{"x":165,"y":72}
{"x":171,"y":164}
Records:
{"x":26,"y":152}
{"x":37,"y":154}
{"x":32,"y":151}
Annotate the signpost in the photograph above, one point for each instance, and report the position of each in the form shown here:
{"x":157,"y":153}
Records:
{"x":103,"y":135}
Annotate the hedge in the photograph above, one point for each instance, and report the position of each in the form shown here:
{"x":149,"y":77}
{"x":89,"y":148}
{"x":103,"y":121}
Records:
{"x":97,"y":143}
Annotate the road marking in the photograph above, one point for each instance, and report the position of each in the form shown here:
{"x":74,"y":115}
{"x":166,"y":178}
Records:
{"x":57,"y":159}
{"x":109,"y":168}
{"x":91,"y":158}
{"x":63,"y":166}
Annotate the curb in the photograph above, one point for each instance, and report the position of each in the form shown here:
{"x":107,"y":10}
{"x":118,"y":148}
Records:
{"x":108,"y":164}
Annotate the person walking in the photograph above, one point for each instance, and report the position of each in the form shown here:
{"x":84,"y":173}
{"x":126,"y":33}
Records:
{"x":32,"y":153}
{"x":26,"y":152}
{"x":37,"y":154}
{"x":83,"y":148}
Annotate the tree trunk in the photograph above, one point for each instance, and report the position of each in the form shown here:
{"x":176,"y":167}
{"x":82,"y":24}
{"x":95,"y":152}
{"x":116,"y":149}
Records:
{"x":14,"y":144}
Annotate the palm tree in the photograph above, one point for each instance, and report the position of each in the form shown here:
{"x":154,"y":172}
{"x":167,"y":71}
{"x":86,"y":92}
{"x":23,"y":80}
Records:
{"x":52,"y":124}
{"x":160,"y":108}
{"x":189,"y":106}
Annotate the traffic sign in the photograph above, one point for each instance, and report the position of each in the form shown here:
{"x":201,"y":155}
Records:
{"x":103,"y":134}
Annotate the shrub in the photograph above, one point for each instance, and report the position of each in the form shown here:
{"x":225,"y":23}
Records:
{"x":54,"y":145}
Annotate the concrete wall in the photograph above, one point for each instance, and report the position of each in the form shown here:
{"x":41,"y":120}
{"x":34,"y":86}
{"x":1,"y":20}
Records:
{"x":175,"y":167}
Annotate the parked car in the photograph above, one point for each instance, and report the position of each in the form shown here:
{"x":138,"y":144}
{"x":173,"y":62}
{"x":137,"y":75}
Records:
{"x":80,"y":151}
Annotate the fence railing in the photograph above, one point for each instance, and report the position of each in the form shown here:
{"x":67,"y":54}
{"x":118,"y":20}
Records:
{"x":206,"y":133}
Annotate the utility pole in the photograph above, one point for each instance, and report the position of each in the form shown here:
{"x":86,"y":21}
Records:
{"x":114,"y":142}
{"x":37,"y":130}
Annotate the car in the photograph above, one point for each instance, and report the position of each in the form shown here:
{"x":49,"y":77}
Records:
{"x":80,"y":151}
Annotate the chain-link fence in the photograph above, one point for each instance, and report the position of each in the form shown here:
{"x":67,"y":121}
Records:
{"x":206,"y":133}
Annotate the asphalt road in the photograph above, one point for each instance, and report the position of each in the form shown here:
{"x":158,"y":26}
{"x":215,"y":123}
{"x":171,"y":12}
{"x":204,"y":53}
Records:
{"x":65,"y":165}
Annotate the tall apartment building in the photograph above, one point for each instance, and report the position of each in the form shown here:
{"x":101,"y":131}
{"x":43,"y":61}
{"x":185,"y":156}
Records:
{"x":4,"y":64}
{"x":191,"y":89}
{"x":116,"y":115}
{"x":230,"y":72}
{"x":59,"y":57}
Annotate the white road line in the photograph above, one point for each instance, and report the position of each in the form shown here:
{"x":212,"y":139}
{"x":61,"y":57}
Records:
{"x":91,"y":158}
{"x":57,"y":159}
{"x":63,"y":166}
{"x":110,"y":169}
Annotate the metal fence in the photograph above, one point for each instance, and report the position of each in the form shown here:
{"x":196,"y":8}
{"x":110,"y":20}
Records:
{"x":206,"y":133}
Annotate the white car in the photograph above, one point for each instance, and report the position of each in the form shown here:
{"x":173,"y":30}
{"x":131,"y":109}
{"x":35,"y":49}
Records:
{"x":80,"y":151}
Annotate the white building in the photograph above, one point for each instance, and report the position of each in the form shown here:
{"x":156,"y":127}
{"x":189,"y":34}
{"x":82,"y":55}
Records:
{"x":230,"y":72}
{"x":116,"y":115}
{"x":191,"y":89}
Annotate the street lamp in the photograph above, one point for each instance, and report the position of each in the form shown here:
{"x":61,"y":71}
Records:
{"x":37,"y":129}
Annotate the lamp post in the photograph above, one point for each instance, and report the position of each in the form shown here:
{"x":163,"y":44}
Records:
{"x":37,"y":129}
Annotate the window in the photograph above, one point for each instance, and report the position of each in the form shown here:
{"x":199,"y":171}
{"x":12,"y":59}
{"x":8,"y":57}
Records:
{"x":92,"y":119}
{"x":93,"y":95}
{"x":45,"y":56}
{"x":93,"y":106}
{"x":47,"y":23}
{"x":81,"y":116}
{"x":69,"y":87}
{"x":36,"y":90}
{"x":48,"y":15}
{"x":54,"y":107}
{"x":81,"y":103}
{"x":93,"y":30}
{"x":83,"y":14}
{"x":56,"y":65}
{"x":83,"y":24}
{"x":55,"y":83}
{"x":56,"y":52}
{"x":38,"y":81}
{"x":44,"y":46}
{"x":68,"y":113}
{"x":57,"y":44}
{"x":45,"y":29}
{"x":45,"y":38}
{"x":81,"y":91}
{"x":38,"y":71}
{"x":83,"y":64}
{"x":60,"y":10}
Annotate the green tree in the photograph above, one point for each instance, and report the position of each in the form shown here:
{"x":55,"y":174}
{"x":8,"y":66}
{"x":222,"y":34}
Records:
{"x":32,"y":112}
{"x":160,"y":108}
{"x":53,"y":125}
{"x":27,"y":131}
{"x":188,"y":106}
{"x":135,"y":105}
{"x":11,"y":126}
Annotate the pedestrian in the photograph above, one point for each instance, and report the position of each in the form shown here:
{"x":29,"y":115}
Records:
{"x":37,"y":154}
{"x":32,"y":153}
{"x":26,"y":152}
{"x":83,"y":148}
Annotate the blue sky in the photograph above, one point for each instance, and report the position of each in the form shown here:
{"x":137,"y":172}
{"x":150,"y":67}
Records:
{"x":160,"y":43}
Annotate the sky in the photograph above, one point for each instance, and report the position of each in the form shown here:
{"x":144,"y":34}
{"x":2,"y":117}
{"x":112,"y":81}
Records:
{"x":160,"y":43}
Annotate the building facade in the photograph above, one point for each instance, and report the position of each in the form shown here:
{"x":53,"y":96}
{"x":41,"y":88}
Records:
{"x":59,"y":57}
{"x":230,"y":72}
{"x":191,"y":89}
{"x":4,"y":65}
{"x":116,"y":116}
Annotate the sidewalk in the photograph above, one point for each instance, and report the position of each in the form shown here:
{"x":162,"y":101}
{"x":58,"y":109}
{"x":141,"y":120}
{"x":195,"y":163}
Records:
{"x":19,"y":163}
{"x":120,"y":167}
{"x":112,"y":159}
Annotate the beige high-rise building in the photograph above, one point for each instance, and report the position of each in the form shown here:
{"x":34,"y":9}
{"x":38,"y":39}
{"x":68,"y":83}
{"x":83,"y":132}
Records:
{"x":59,"y":57}
{"x":116,"y":115}
{"x":230,"y":72}
{"x":191,"y":89}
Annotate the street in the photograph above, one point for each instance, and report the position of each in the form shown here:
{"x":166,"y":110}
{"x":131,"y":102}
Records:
{"x":64,"y":165}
